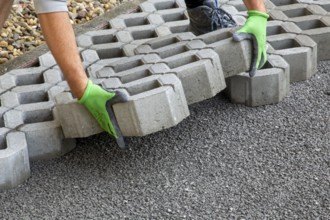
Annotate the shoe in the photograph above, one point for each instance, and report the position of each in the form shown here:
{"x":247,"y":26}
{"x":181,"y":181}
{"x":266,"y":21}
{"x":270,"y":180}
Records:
{"x":208,"y":17}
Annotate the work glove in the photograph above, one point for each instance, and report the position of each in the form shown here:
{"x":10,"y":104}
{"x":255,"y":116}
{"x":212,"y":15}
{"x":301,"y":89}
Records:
{"x":99,"y":103}
{"x":255,"y":29}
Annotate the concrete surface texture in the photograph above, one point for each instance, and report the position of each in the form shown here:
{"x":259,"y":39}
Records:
{"x":151,"y":56}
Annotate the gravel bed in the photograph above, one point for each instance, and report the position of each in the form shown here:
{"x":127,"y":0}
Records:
{"x":22,"y":33}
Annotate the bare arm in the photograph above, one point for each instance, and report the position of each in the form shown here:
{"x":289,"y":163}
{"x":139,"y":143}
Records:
{"x":258,"y":5}
{"x":58,"y":32}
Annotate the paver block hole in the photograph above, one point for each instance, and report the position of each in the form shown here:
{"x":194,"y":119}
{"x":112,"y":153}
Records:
{"x":165,"y":5}
{"x":110,"y":53}
{"x":182,"y":61}
{"x":284,"y":2}
{"x":174,"y":51}
{"x":144,"y":34}
{"x":179,"y":29}
{"x":129,"y":65}
{"x":38,"y":116}
{"x":267,"y":66}
{"x":130,"y":22}
{"x":326,"y":7}
{"x":104,"y":39}
{"x":284,"y":44}
{"x":164,"y":43}
{"x":297,"y":12}
{"x":174,"y":17}
{"x":3,"y":142}
{"x":143,"y":87}
{"x":310,"y":24}
{"x":137,"y":75}
{"x":218,"y":37}
{"x":274,"y":30}
{"x":33,"y":97}
{"x":2,"y":122}
{"x":29,"y":79}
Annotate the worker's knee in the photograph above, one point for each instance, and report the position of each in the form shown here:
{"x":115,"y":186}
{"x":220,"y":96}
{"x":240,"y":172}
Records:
{"x":47,"y":6}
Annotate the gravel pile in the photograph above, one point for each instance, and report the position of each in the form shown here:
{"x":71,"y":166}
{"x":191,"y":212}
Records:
{"x":22,"y":33}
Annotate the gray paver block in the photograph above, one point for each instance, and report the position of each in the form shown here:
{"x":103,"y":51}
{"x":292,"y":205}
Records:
{"x":299,"y":51}
{"x":240,"y":20}
{"x":324,"y":4}
{"x":28,"y":113}
{"x":13,"y":118}
{"x":318,"y":28}
{"x":3,"y":110}
{"x":14,"y":159}
{"x":135,"y":19}
{"x":43,"y":131}
{"x":147,"y":7}
{"x":124,"y":37}
{"x":200,"y":73}
{"x":99,"y":65}
{"x":53,"y":76}
{"x":7,"y":82}
{"x":155,"y":103}
{"x":46,"y":140}
{"x":167,"y":45}
{"x":167,"y":4}
{"x":89,"y":56}
{"x":109,"y":51}
{"x":231,"y":9}
{"x":25,"y":95}
{"x":173,"y":15}
{"x":236,"y":7}
{"x":280,"y":27}
{"x":133,"y":74}
{"x":270,"y":85}
{"x":75,"y":119}
{"x":111,"y":67}
{"x":90,"y":38}
{"x":167,"y":51}
{"x":235,"y":57}
{"x":279,"y":4}
{"x":293,"y":11}
{"x":28,"y":76}
{"x":142,"y":32}
{"x":47,"y":60}
{"x":172,"y":28}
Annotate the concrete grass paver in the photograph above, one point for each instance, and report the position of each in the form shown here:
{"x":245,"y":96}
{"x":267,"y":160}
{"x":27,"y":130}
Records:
{"x":225,"y":161}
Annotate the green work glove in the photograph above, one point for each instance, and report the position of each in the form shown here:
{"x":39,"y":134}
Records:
{"x":255,"y":29}
{"x":99,"y":103}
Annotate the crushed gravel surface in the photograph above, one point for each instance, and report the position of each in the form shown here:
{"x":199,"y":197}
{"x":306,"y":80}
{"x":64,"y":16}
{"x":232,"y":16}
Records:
{"x":225,"y":161}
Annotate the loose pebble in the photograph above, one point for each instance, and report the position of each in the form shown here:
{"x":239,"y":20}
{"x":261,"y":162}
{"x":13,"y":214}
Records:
{"x":21,"y":32}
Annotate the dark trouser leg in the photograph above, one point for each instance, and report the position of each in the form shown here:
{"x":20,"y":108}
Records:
{"x":193,"y":3}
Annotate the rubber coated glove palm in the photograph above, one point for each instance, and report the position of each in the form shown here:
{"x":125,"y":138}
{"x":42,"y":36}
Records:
{"x":99,"y":103}
{"x":255,"y":30}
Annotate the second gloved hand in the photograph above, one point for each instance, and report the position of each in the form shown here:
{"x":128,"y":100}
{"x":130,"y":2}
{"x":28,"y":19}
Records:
{"x":99,"y":104}
{"x":255,"y":30}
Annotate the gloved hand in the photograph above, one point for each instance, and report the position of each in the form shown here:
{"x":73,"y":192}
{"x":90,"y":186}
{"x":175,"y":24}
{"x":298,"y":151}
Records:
{"x":255,"y":30}
{"x":99,"y":103}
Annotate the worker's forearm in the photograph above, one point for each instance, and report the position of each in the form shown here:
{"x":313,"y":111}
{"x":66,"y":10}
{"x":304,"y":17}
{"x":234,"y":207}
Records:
{"x":258,"y":5}
{"x":60,"y":38}
{"x":5,"y":7}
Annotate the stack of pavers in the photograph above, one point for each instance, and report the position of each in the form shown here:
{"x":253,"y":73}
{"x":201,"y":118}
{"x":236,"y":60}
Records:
{"x":151,"y":56}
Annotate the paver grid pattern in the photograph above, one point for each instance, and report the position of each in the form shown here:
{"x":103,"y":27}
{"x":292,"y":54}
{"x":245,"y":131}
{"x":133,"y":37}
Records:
{"x":163,"y":68}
